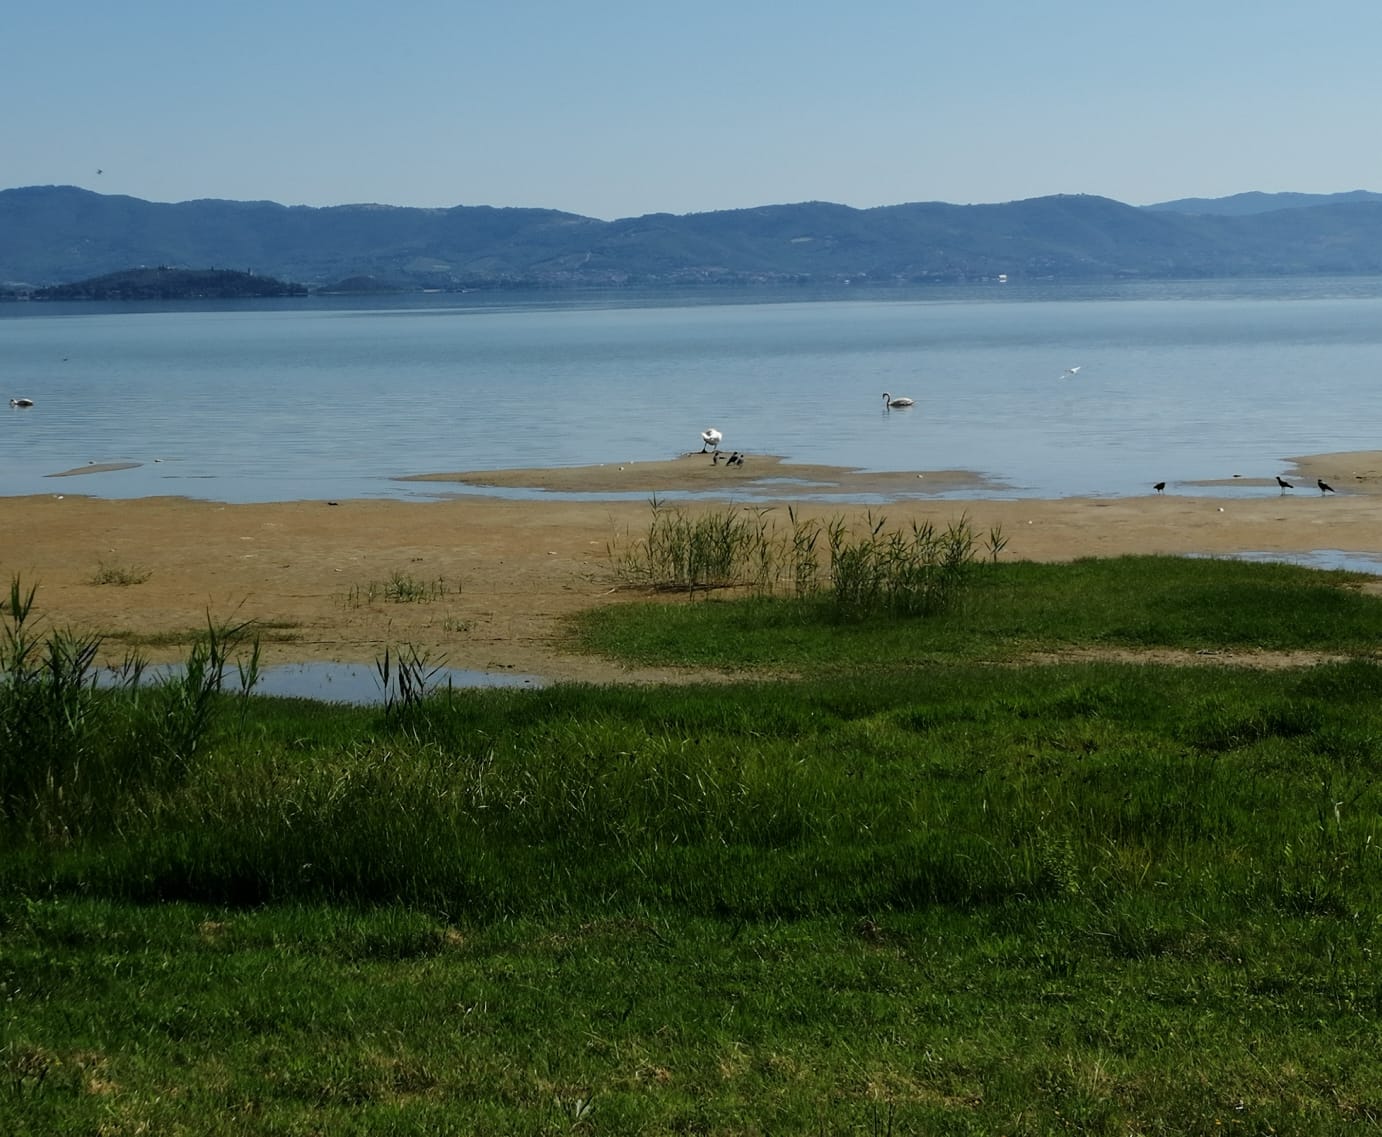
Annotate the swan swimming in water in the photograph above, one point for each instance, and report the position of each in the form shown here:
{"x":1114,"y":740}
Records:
{"x":900,"y":401}
{"x":710,"y":438}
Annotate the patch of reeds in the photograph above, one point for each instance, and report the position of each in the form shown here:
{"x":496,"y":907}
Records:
{"x":697,"y":552}
{"x":407,"y":676}
{"x":399,"y":588}
{"x":910,"y":572}
{"x":121,"y":575}
{"x":76,"y":740}
{"x":859,"y":571}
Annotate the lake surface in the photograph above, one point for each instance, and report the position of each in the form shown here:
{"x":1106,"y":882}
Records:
{"x":335,"y":398}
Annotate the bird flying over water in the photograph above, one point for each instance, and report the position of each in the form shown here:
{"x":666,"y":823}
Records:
{"x":1325,"y":487}
{"x":710,"y":437}
{"x":1071,"y":372}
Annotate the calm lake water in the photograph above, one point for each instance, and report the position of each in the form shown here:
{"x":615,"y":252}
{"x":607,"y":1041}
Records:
{"x":331,"y":398}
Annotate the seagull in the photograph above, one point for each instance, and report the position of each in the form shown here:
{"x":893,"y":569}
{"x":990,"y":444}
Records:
{"x":1284,"y":484}
{"x":1159,"y":486}
{"x":21,"y":402}
{"x":900,"y":401}
{"x":1071,"y":372}
{"x":1325,"y":487}
{"x":710,"y":437}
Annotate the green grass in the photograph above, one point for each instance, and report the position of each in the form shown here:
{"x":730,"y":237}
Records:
{"x":1008,"y":611}
{"x":888,"y":897}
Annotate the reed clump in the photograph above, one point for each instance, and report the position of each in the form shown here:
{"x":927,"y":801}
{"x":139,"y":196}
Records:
{"x":77,"y":741}
{"x":122,"y":575}
{"x":399,"y":588}
{"x":857,"y":570}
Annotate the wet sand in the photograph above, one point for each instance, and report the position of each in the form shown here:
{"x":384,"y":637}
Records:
{"x":502,"y":573}
{"x":759,"y":476}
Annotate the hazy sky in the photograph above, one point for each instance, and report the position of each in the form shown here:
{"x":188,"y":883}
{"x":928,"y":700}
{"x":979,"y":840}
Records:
{"x":615,"y":108}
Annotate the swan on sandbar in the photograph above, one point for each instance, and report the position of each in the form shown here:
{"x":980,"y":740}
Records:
{"x":900,"y":401}
{"x":710,"y":438}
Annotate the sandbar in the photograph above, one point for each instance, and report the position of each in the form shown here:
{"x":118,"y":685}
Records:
{"x":760,"y":476}
{"x":95,"y":468}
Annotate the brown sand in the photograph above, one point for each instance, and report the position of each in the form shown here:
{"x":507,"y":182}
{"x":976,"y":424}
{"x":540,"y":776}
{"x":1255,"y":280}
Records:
{"x":508,"y":571}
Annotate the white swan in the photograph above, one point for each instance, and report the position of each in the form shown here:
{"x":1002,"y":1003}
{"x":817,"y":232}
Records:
{"x":710,"y":437}
{"x":21,"y":402}
{"x":900,"y":401}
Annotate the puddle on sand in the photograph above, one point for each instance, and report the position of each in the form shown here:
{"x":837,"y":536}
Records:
{"x":1350,"y":561}
{"x":356,"y":683}
{"x":359,"y":682}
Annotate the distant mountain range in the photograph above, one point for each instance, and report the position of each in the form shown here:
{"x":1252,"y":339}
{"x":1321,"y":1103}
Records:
{"x":53,"y":235}
{"x":1242,"y":204}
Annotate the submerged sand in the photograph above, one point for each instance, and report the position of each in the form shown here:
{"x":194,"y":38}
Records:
{"x":501,"y":574}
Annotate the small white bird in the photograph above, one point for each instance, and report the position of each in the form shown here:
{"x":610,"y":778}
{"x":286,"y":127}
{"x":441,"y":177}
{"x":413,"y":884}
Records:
{"x":710,"y":439}
{"x":900,"y":401}
{"x":1071,"y":372}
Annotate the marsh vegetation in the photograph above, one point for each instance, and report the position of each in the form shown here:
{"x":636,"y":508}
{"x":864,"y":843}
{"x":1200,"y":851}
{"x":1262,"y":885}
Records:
{"x":914,"y":887}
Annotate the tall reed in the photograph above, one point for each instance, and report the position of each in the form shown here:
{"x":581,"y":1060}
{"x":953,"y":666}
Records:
{"x":683,"y":552}
{"x":49,"y":720}
{"x":900,"y":573}
{"x":907,"y":572}
{"x":73,"y":752}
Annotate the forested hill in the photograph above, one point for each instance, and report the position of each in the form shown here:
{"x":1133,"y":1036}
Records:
{"x":163,"y":283}
{"x":60,"y":234}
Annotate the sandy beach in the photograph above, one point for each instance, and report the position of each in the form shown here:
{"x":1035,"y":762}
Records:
{"x":502,"y":573}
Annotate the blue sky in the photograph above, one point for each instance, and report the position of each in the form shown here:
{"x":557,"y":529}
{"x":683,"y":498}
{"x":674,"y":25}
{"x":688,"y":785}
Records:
{"x":612,"y":109}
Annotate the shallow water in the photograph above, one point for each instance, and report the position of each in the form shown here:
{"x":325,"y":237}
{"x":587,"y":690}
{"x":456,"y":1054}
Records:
{"x":354,"y":683}
{"x":333,"y":399}
{"x":1347,"y":560}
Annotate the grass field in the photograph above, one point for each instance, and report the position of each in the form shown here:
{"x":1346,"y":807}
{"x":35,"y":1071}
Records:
{"x":911,"y":885}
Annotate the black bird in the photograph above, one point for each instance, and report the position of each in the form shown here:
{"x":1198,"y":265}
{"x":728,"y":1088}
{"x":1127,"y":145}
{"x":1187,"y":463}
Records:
{"x":736,"y":459}
{"x":1284,"y":484}
{"x":1159,"y":486}
{"x":1325,"y":487}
